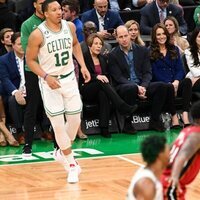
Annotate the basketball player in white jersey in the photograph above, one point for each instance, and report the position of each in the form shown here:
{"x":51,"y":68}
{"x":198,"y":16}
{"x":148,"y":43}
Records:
{"x":146,"y":183}
{"x":53,"y":43}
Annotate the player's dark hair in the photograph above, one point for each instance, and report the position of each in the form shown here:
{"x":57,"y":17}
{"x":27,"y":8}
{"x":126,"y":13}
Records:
{"x":45,"y":5}
{"x":151,"y":147}
{"x":195,"y":110}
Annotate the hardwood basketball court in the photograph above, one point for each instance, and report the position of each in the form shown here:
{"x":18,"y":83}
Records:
{"x":103,"y":177}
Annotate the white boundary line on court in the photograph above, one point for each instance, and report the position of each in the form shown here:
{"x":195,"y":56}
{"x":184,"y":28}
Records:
{"x":129,"y":160}
{"x":95,"y":157}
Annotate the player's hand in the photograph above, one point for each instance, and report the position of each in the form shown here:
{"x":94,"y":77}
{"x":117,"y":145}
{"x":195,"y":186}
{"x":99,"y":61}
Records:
{"x":86,"y":74}
{"x":52,"y":82}
{"x":174,"y":183}
{"x":20,"y":98}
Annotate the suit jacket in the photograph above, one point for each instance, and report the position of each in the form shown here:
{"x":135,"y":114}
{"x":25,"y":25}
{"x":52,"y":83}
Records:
{"x":90,"y":66}
{"x":3,"y":51}
{"x":112,"y":19}
{"x":9,"y":73}
{"x":119,"y":69}
{"x":150,"y":17}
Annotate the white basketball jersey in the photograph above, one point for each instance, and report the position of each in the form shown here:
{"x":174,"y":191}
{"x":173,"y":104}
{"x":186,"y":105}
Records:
{"x":55,"y":54}
{"x":145,"y":173}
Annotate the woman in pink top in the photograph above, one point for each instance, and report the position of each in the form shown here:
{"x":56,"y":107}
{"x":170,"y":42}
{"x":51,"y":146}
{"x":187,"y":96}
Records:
{"x":99,"y":89}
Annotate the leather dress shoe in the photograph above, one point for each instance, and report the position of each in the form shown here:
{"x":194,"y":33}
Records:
{"x":156,"y":125}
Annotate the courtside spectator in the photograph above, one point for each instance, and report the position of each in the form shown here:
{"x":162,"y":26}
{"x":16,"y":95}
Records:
{"x":5,"y":38}
{"x":156,"y":12}
{"x":104,"y":18}
{"x":70,"y":12}
{"x":13,"y":84}
{"x":192,"y":56}
{"x":167,"y":67}
{"x":134,"y":30}
{"x":98,"y":89}
{"x":130,"y":69}
{"x":175,"y":36}
{"x":88,"y":28}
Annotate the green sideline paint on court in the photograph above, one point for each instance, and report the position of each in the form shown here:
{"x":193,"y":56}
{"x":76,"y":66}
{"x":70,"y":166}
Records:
{"x":93,"y":147}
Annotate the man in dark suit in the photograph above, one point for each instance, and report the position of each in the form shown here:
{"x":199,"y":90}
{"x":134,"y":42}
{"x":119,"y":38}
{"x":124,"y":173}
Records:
{"x":156,"y":12}
{"x":130,"y":69}
{"x":13,"y":83}
{"x":103,"y":18}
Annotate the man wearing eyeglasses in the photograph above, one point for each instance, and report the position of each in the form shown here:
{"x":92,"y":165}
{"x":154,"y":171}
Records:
{"x":103,"y":18}
{"x":157,"y":11}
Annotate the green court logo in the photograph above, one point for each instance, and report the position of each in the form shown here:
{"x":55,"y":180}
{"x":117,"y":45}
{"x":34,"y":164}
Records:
{"x":45,"y":156}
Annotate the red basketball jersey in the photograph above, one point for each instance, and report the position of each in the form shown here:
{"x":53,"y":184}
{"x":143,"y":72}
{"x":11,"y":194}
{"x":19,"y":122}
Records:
{"x":192,"y":166}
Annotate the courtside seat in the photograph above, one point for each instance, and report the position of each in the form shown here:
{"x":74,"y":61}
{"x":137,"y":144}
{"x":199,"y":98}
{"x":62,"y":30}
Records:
{"x":90,"y":121}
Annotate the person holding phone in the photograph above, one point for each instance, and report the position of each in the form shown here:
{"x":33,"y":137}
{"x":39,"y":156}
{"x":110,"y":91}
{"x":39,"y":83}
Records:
{"x":104,"y":18}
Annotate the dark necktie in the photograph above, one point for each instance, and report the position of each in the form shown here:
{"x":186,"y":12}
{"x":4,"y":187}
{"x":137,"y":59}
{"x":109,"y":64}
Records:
{"x":162,"y":16}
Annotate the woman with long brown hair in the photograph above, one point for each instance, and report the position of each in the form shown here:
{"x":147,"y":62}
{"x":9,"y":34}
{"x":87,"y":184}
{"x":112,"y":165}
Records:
{"x":175,"y":37}
{"x":167,"y":67}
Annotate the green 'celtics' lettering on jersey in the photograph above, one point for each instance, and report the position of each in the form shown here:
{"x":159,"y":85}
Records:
{"x":55,"y":54}
{"x":57,"y":45}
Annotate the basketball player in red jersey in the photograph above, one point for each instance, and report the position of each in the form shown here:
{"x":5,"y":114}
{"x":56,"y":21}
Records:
{"x":184,"y":163}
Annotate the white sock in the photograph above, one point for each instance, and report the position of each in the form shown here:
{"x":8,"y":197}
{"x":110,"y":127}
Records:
{"x":70,"y":159}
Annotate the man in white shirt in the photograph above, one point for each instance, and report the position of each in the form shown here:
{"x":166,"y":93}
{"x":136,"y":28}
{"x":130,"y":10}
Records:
{"x":104,"y":18}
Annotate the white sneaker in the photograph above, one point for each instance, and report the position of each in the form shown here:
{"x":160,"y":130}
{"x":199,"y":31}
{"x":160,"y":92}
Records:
{"x":59,"y":157}
{"x":73,"y":174}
